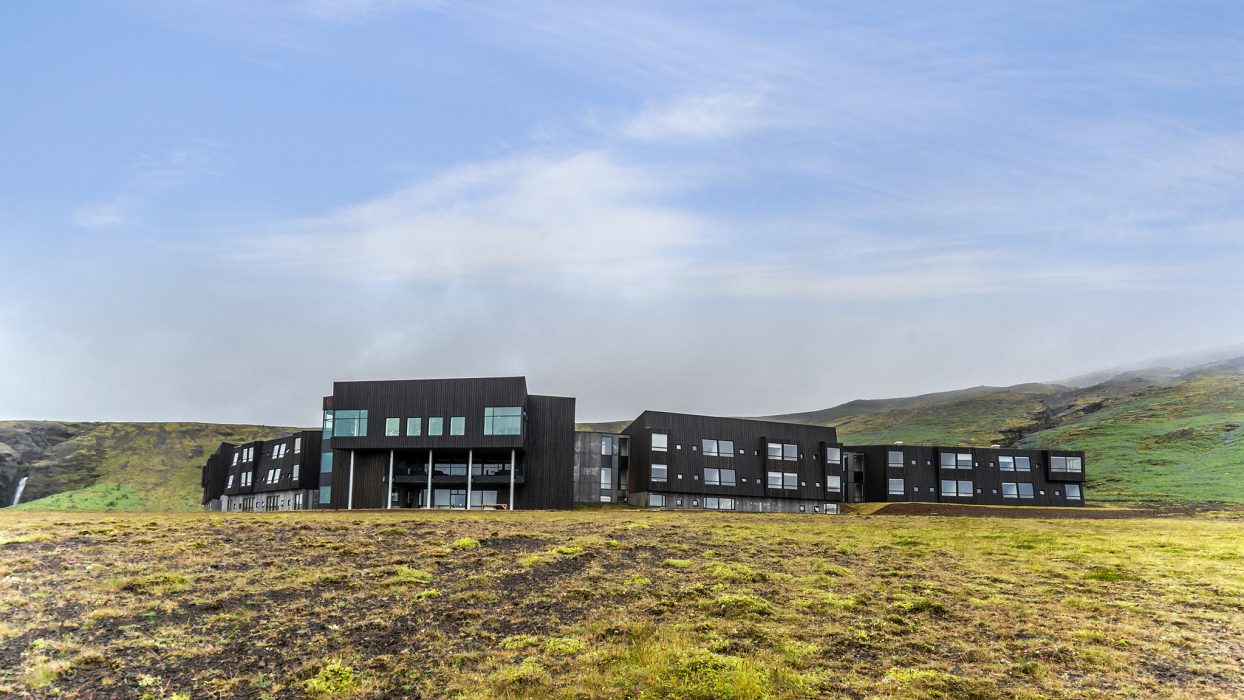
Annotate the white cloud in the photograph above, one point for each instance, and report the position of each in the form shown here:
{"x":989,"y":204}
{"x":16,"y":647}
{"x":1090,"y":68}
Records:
{"x":150,"y":176}
{"x":712,"y":116}
{"x":532,"y":220}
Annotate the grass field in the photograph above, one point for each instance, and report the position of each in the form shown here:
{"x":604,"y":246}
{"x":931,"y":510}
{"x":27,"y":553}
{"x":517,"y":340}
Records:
{"x":619,"y":603}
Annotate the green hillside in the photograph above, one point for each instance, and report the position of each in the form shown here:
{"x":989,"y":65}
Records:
{"x":113,"y":466}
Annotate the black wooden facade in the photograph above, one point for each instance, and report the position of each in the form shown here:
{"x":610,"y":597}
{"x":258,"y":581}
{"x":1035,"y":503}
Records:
{"x":981,"y":475}
{"x":384,"y":437}
{"x":277,"y":474}
{"x":807,"y":464}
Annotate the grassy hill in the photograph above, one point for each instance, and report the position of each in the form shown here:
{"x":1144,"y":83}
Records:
{"x":619,"y":603}
{"x":113,"y":466}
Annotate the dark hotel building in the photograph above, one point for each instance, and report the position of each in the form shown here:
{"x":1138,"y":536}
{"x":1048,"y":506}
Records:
{"x":485,"y":443}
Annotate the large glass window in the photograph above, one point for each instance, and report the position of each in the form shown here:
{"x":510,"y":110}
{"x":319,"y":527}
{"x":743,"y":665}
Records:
{"x":660,"y":442}
{"x":965,"y":489}
{"x":297,"y":445}
{"x":436,"y":426}
{"x":946,"y":460}
{"x":503,"y":420}
{"x":414,"y":426}
{"x":659,"y":472}
{"x":1009,"y":490}
{"x":950,"y":487}
{"x":350,"y":424}
{"x":326,"y":495}
{"x":727,"y":477}
{"x":1025,"y":490}
{"x":775,"y":450}
{"x":1066,"y":464}
{"x":606,"y":446}
{"x":606,"y":477}
{"x":392,"y":427}
{"x":328,"y":424}
{"x":725,"y":448}
{"x":1006,"y":463}
{"x":1073,"y":492}
{"x":775,"y":480}
{"x":709,"y":447}
{"x":833,"y":483}
{"x":964,"y":460}
{"x":326,"y":463}
{"x":894,"y":458}
{"x":790,"y":452}
{"x":656,"y":500}
{"x":711,"y":502}
{"x":1022,"y":464}
{"x":712,"y":477}
{"x":833,"y":455}
{"x":896,"y":487}
{"x":457,"y":425}
{"x":790,"y":480}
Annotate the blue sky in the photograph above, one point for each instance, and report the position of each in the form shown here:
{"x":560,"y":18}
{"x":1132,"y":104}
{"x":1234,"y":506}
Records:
{"x":211,"y":209}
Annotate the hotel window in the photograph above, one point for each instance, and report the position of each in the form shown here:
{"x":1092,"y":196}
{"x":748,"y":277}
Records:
{"x":457,"y":426}
{"x":946,"y":460}
{"x":298,"y":501}
{"x":294,"y":473}
{"x":414,"y":426}
{"x":1022,"y":464}
{"x":896,"y":487}
{"x":606,"y":499}
{"x":1025,"y":490}
{"x":350,"y":424}
{"x":1071,"y":465}
{"x":503,"y":420}
{"x":964,"y":460}
{"x":236,"y":455}
{"x":328,"y":425}
{"x":606,"y":446}
{"x":790,"y":452}
{"x":297,"y":445}
{"x":711,"y":502}
{"x":326,"y":462}
{"x":326,"y":495}
{"x":1006,"y":463}
{"x":1073,"y":492}
{"x":656,"y":500}
{"x":710,"y":447}
{"x":718,"y":477}
{"x":229,"y":483}
{"x":660,"y":442}
{"x":950,"y":487}
{"x":965,"y":489}
{"x":775,"y":450}
{"x":436,"y":426}
{"x":894,"y":458}
{"x":1009,"y":490}
{"x":392,"y":427}
{"x":725,"y":448}
{"x":833,"y":455}
{"x":775,"y":480}
{"x":726,"y":504}
{"x":789,"y":480}
{"x":659,"y":472}
{"x":833,"y":483}
{"x":606,"y":477}
{"x":278,"y":452}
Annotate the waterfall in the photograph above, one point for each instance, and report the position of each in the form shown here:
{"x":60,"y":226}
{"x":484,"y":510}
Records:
{"x":17,"y":495}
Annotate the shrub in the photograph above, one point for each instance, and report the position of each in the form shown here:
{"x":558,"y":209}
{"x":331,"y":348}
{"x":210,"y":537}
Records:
{"x":733,"y":573}
{"x":520,"y":641}
{"x":430,"y":593}
{"x":405,"y":575}
{"x":677,"y":563}
{"x":465,"y":543}
{"x":737,"y":605}
{"x":563,"y":645}
{"x":332,"y":680}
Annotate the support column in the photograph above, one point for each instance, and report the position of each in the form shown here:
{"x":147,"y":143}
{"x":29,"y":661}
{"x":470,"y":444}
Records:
{"x":427,"y":501}
{"x":389,"y":503}
{"x":470,"y":468}
{"x":512,"y":451}
{"x":350,"y":492}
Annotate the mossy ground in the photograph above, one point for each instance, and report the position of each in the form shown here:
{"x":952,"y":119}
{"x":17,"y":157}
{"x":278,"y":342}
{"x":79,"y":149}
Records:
{"x":591,"y":604}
